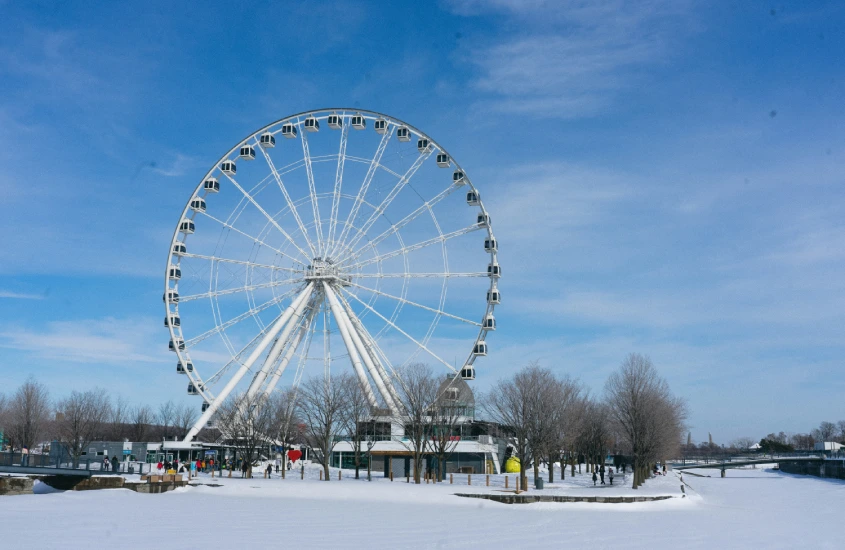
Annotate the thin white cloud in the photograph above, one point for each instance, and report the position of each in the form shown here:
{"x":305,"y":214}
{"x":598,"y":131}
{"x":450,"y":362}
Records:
{"x":20,"y":295}
{"x":567,"y":59}
{"x":100,"y":341}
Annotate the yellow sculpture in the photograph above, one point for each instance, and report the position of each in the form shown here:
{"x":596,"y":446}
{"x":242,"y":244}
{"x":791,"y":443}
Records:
{"x":512,"y":465}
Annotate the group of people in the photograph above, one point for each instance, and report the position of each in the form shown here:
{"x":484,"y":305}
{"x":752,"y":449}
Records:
{"x":601,"y":474}
{"x":199,"y":465}
{"x":112,"y":464}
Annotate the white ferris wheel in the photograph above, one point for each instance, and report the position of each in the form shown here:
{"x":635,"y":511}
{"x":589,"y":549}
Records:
{"x":329,"y":239}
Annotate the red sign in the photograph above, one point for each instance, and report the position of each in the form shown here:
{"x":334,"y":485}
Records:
{"x":294,"y":455}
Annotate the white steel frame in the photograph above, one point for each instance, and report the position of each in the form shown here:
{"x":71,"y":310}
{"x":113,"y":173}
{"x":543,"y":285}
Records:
{"x":327,"y":291}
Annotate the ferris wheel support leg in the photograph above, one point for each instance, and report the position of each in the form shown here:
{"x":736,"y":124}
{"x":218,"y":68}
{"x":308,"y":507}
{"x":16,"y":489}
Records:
{"x":368,"y":361}
{"x":367,"y":346}
{"x":279,"y":345}
{"x":350,"y":344}
{"x":271,"y":385}
{"x":224,"y":393}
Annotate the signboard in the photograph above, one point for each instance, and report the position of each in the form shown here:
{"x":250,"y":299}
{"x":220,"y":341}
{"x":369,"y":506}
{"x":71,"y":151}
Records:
{"x":127,"y":446}
{"x":127,"y":451}
{"x":211,"y":453}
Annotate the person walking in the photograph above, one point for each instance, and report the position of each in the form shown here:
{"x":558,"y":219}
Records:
{"x":105,"y":466}
{"x":25,"y":456}
{"x":601,"y":473}
{"x":610,"y":474}
{"x":243,"y":468}
{"x":269,"y":469}
{"x":594,"y":478}
{"x":278,"y":464}
{"x":115,"y":463}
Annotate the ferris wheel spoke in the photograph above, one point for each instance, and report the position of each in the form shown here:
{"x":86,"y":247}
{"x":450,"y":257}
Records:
{"x":338,"y":182}
{"x":245,"y":288}
{"x":371,"y":349}
{"x":312,"y":189}
{"x":447,"y":275}
{"x":301,"y":330}
{"x":399,"y":330}
{"x":362,"y":191}
{"x":417,"y":246}
{"x":327,"y":349}
{"x":252,"y":238}
{"x":410,"y":217}
{"x":414,"y":304}
{"x":214,"y":259}
{"x":392,"y":195}
{"x":235,"y":320}
{"x":289,"y":201}
{"x":270,"y":218}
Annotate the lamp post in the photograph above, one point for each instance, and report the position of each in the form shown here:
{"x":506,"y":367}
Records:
{"x":370,"y":444}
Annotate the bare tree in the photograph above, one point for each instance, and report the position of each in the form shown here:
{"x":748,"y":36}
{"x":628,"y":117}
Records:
{"x":284,"y":428}
{"x":81,"y":419}
{"x":356,"y":414}
{"x":247,"y":423}
{"x":594,"y":434}
{"x":743,"y":443}
{"x":417,"y":388}
{"x":4,"y":414}
{"x":320,"y":404}
{"x":825,"y":432}
{"x":184,"y":418}
{"x":28,"y":414}
{"x":166,"y":417}
{"x":648,"y":418}
{"x":140,"y":419}
{"x":454,"y":405}
{"x":560,"y":401}
{"x":841,"y":427}
{"x":514,"y":404}
{"x":118,"y":417}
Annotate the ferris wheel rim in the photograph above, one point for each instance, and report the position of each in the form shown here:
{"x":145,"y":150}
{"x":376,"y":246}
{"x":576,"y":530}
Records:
{"x":297,"y":119}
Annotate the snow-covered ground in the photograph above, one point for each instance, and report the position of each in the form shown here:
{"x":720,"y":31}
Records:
{"x":750,"y":508}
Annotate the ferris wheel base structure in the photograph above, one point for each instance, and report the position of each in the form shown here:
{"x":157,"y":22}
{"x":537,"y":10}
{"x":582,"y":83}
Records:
{"x":303,"y":255}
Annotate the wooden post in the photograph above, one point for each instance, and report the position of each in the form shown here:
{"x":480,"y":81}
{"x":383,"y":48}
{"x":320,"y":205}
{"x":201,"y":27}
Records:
{"x":488,"y":480}
{"x":321,"y":475}
{"x":230,"y":473}
{"x":302,"y":472}
{"x":265,"y":474}
{"x":506,"y":482}
{"x":338,"y":474}
{"x":450,"y":479}
{"x":517,"y":483}
{"x":391,"y":475}
{"x":469,"y":479}
{"x":212,"y":473}
{"x":407,"y":479}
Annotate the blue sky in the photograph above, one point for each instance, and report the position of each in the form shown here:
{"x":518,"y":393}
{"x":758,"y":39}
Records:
{"x":665,"y":177}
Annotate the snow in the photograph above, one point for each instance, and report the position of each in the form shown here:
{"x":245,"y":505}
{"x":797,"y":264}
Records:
{"x":751,"y":507}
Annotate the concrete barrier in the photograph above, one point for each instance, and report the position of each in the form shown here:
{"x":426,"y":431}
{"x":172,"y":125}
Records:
{"x":16,"y":485}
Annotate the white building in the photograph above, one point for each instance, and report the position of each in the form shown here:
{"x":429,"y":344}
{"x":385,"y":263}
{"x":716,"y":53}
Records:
{"x":828,"y":446}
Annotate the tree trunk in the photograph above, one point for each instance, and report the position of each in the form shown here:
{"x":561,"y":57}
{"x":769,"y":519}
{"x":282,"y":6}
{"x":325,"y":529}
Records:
{"x":551,"y":470}
{"x":326,"y":471}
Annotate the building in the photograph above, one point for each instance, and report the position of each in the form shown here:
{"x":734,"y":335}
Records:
{"x":473,"y":447}
{"x":828,"y":446}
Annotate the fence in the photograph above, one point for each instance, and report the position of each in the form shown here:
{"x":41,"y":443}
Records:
{"x":829,"y":468}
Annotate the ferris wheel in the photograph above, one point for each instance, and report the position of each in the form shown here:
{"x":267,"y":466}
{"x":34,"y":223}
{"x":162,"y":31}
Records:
{"x":327,"y":240}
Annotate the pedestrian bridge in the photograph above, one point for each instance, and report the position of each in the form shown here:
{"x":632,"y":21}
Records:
{"x":52,"y":471}
{"x":726,"y":464}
